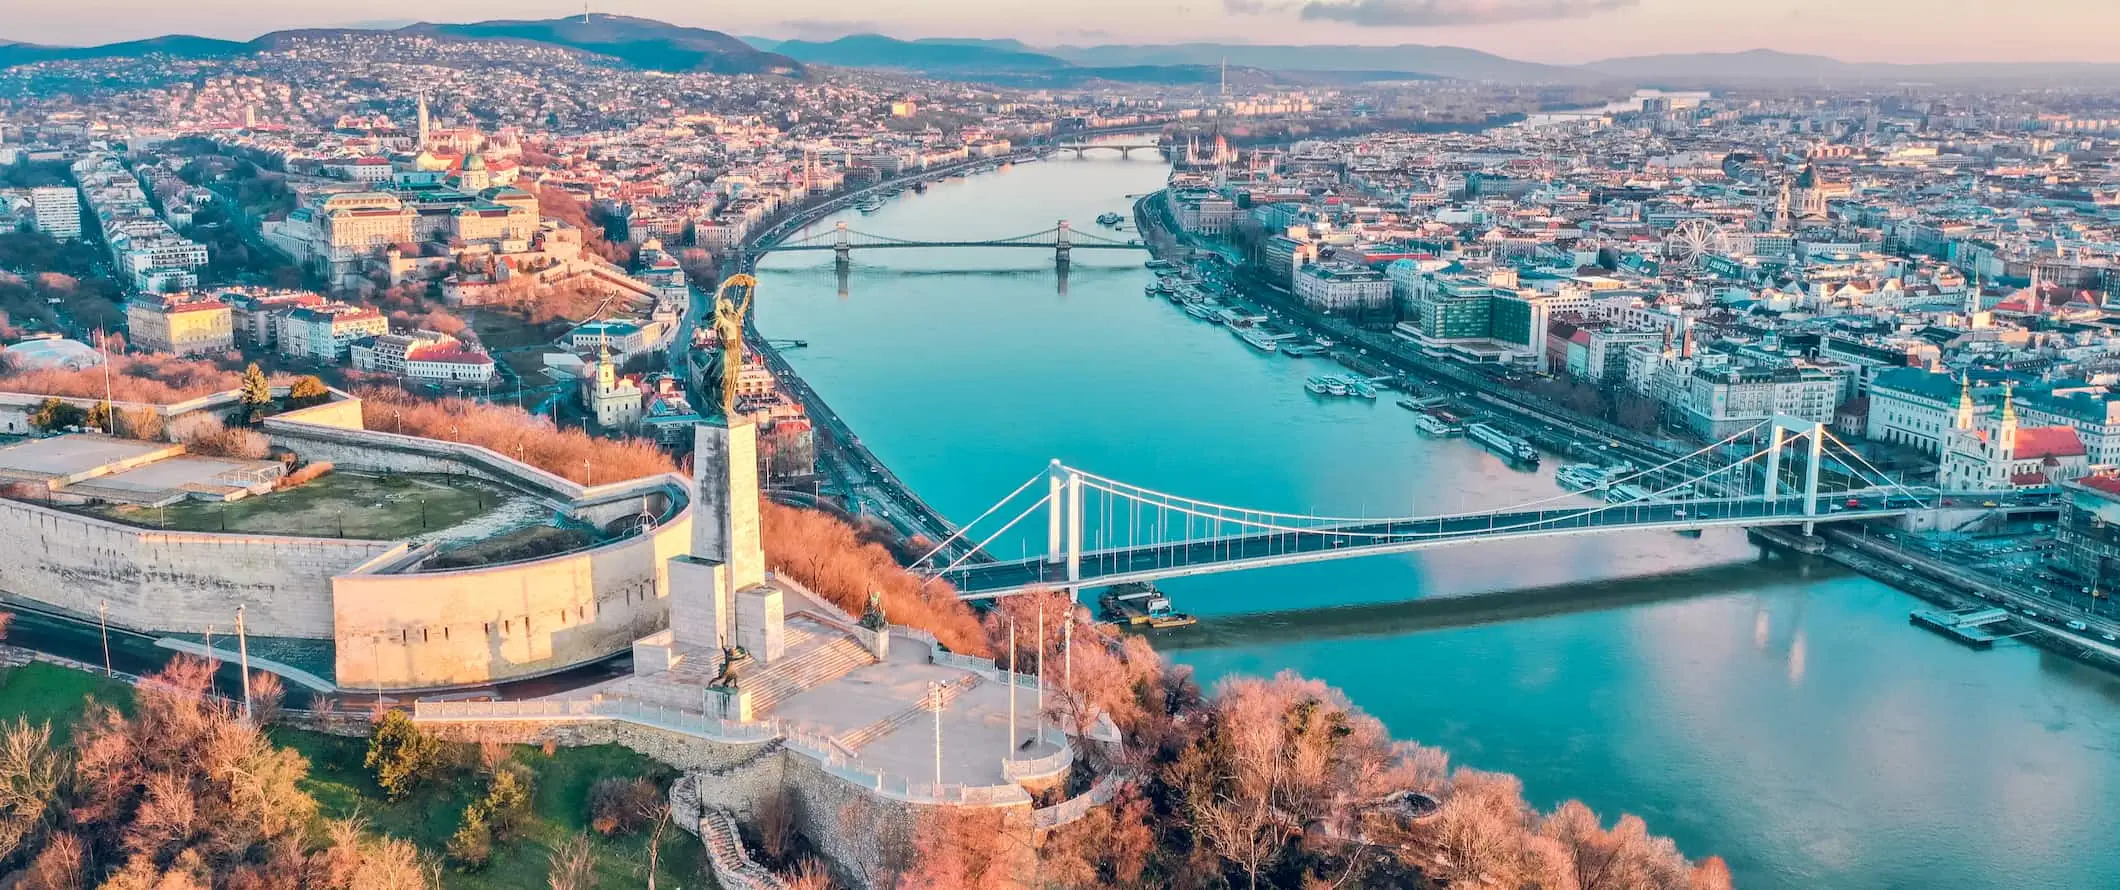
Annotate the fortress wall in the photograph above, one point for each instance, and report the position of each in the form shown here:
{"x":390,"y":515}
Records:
{"x":173,"y":581}
{"x":433,"y":629}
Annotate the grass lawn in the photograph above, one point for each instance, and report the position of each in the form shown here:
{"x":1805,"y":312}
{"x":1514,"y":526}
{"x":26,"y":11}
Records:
{"x":343,"y":787}
{"x":49,"y":693}
{"x":337,"y":504}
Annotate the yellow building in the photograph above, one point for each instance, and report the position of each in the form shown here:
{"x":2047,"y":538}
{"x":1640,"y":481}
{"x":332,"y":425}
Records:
{"x":182,"y":324}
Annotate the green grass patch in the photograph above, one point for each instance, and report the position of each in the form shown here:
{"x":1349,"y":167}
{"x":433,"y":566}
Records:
{"x":343,"y":787}
{"x":337,"y":504}
{"x":46,"y":693}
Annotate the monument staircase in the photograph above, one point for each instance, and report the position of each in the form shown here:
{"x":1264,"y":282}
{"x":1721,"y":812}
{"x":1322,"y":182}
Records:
{"x":821,"y":656}
{"x":856,"y":739}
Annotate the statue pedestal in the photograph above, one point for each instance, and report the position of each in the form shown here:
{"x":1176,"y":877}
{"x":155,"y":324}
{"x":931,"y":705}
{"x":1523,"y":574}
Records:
{"x":718,"y":595}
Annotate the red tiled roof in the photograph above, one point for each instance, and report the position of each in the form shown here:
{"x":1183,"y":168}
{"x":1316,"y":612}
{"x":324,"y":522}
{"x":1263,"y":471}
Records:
{"x":2048,"y":441}
{"x":2023,"y":480}
{"x":2105,"y":482}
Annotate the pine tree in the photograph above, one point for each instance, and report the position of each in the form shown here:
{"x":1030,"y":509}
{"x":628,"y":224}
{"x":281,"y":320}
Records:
{"x":256,"y":392}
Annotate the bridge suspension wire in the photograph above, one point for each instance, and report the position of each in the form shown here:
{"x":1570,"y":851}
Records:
{"x":1217,"y":520}
{"x":1888,"y":481}
{"x":967,"y":527}
{"x":981,"y":547}
{"x":1124,"y":489}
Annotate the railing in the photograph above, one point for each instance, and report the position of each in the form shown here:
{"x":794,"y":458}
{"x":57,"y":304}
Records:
{"x":629,"y":710}
{"x":1073,"y":808}
{"x":1041,"y":767}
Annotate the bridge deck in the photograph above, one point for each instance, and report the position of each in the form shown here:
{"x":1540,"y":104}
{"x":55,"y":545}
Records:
{"x":1176,"y":559}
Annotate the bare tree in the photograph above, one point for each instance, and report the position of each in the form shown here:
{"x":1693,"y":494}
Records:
{"x":30,"y":774}
{"x":573,"y":864}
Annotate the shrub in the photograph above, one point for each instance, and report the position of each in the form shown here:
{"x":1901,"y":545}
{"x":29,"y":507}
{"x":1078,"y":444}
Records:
{"x":149,"y":379}
{"x":623,"y":806}
{"x":403,"y":755}
{"x":208,"y":436}
{"x":515,"y":433}
{"x":307,"y":390}
{"x":471,"y":847}
{"x":306,"y":474}
{"x":53,"y":415}
{"x":827,"y":556}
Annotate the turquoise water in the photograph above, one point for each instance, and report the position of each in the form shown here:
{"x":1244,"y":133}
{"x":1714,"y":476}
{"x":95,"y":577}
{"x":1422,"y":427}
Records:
{"x":1781,"y":715}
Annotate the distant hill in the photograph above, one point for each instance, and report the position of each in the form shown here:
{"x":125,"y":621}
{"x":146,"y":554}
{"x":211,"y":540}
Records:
{"x":640,"y":43}
{"x":1710,"y":69}
{"x":180,"y":45}
{"x":926,"y":56}
{"x":1435,"y":61}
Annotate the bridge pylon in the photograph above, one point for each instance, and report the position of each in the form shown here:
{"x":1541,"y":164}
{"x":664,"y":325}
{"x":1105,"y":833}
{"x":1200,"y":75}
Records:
{"x":1813,"y":433}
{"x":1061,"y":244}
{"x":842,"y":245}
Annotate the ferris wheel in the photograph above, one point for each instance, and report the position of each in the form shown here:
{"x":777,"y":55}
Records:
{"x":1693,"y":239}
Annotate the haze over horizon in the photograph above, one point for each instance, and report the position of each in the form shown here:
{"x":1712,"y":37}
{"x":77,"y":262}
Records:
{"x":1552,"y":31}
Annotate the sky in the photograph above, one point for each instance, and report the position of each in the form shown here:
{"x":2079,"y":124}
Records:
{"x":1559,"y":31}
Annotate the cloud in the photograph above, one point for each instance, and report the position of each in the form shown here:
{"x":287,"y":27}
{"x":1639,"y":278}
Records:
{"x":1425,"y":13}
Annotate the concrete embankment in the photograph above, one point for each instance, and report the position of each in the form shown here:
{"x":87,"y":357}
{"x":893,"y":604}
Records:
{"x":1941,"y":587}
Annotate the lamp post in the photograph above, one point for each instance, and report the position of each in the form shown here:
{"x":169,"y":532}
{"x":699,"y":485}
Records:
{"x":243,"y":663}
{"x":103,"y":624}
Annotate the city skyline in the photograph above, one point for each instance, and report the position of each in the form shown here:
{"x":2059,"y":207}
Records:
{"x":1550,"y":31}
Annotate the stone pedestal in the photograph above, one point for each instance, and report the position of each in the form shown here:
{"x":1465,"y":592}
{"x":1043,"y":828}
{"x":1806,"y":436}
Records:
{"x":760,"y":626}
{"x":718,"y":595}
{"x":725,"y":500}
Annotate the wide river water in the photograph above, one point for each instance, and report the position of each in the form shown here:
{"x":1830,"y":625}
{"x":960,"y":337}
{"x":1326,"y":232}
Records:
{"x":1779,"y":713}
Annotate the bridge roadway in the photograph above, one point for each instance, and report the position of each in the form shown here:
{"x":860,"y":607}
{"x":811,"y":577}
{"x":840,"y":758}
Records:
{"x":1041,"y":245}
{"x":1235,"y":552}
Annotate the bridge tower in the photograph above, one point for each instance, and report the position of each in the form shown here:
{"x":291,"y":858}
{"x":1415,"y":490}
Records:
{"x":1063,"y":522}
{"x":1813,"y":433}
{"x":1060,"y":244}
{"x":842,"y":245}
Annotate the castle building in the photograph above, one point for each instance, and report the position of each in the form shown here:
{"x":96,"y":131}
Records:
{"x":180,"y":324}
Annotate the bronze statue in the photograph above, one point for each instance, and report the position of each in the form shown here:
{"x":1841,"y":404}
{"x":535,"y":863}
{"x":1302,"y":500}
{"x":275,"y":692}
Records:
{"x":720,"y":376}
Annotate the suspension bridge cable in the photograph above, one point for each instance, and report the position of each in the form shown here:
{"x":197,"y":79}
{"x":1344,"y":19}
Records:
{"x":960,"y":532}
{"x":1209,"y":505}
{"x":990,"y":538}
{"x":1218,"y":519}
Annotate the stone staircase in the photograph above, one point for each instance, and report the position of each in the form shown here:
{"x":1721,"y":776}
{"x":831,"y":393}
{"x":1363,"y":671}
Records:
{"x":856,"y":739}
{"x":827,"y":660}
{"x":733,"y":867}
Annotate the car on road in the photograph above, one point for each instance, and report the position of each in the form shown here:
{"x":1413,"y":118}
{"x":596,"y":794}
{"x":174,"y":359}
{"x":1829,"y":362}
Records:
{"x":2077,"y":626}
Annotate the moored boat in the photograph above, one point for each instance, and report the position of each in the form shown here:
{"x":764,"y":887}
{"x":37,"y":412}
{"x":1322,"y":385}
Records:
{"x":1504,"y":444}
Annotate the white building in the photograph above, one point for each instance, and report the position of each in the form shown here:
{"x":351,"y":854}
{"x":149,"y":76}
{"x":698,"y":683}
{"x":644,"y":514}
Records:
{"x":57,"y":210}
{"x":1342,"y":289}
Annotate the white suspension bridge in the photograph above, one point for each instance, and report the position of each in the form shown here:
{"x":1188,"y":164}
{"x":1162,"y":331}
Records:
{"x":1102,"y":531}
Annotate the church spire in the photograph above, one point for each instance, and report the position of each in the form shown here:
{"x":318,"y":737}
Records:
{"x":424,"y":123}
{"x":2007,"y":434}
{"x":1965,"y":402}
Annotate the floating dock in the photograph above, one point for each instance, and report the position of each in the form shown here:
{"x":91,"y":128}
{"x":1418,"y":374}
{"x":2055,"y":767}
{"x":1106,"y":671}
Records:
{"x":1963,"y":627}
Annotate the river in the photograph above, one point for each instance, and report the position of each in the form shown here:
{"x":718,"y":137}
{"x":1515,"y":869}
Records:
{"x":1774,"y":711}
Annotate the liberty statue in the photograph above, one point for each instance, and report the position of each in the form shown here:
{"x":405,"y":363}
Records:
{"x":725,"y":361}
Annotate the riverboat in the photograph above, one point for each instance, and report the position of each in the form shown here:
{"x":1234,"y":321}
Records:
{"x":1316,"y":385}
{"x":1203,"y":310}
{"x":1628,"y":493}
{"x":1504,"y":444}
{"x":869,"y":205}
{"x":1438,"y":424}
{"x":1257,"y":338}
{"x":1589,"y":477}
{"x":1141,"y":605}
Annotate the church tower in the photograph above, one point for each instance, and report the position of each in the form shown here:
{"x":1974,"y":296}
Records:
{"x":2006,"y":435}
{"x":425,"y":122}
{"x":1965,"y":403}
